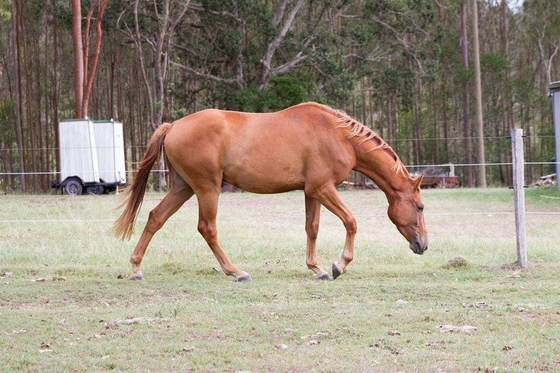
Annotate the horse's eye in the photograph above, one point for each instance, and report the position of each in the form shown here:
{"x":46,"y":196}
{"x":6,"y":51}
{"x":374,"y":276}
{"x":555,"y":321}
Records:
{"x":420,"y":208}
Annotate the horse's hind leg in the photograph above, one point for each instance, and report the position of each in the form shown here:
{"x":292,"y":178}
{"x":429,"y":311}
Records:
{"x":208,"y":210}
{"x":180,"y":192}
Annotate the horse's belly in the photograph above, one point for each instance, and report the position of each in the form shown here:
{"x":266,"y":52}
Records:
{"x":260,"y":176}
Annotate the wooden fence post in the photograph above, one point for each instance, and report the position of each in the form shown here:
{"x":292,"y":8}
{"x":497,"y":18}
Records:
{"x":519,"y":195}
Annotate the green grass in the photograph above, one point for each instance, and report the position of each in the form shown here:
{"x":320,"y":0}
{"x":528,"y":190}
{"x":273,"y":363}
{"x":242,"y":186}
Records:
{"x":65,"y":298}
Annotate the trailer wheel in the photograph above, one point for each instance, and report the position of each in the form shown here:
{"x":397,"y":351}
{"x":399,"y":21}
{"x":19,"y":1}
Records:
{"x":73,"y":187}
{"x":95,"y":189}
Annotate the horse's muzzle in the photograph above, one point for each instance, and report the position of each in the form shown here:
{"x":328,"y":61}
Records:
{"x":418,"y":246}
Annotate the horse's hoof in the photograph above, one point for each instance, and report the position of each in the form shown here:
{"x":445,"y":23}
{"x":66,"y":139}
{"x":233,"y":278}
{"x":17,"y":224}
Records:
{"x":137,"y":277}
{"x":335,"y":271}
{"x":325,"y":277}
{"x":244,"y":278}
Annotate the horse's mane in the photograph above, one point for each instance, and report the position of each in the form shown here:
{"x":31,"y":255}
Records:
{"x":365,"y":136}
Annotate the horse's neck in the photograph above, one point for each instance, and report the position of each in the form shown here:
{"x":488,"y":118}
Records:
{"x":384,"y":170}
{"x":376,"y":159}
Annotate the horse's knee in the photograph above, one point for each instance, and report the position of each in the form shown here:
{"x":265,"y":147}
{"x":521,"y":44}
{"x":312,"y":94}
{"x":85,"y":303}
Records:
{"x":351,"y":226}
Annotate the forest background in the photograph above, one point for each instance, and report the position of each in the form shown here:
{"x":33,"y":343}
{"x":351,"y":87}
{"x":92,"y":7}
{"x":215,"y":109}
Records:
{"x":404,"y":68}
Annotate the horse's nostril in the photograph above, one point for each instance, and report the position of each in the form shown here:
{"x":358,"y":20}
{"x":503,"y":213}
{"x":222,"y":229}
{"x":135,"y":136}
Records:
{"x":418,"y":246}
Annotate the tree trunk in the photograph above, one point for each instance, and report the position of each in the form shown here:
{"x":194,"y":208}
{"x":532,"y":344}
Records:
{"x":78,"y":53}
{"x":466,"y":104}
{"x":417,"y":144}
{"x":267,"y":71}
{"x":17,"y":30}
{"x":55,"y":95}
{"x":507,"y":124}
{"x":88,"y":71}
{"x":481,"y":169}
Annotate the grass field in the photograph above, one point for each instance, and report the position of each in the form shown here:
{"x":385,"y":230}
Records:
{"x":66,"y":304}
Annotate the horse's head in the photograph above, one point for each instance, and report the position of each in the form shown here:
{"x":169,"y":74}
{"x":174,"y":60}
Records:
{"x":406,"y":211}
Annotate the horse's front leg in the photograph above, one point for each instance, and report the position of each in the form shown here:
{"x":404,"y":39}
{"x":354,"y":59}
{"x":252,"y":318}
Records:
{"x":328,"y":197}
{"x":312,"y":216}
{"x":348,"y":252}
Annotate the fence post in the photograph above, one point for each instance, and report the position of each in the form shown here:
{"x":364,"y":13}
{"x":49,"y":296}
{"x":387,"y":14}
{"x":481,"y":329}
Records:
{"x":519,"y":195}
{"x":554,"y":88}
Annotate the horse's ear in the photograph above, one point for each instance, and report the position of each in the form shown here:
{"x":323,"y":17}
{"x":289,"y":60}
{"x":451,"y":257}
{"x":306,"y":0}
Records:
{"x":417,"y":182}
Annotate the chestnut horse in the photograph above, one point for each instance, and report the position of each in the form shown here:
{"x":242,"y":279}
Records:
{"x":308,"y":147}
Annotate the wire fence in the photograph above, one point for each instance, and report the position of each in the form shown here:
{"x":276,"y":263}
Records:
{"x":446,"y":169}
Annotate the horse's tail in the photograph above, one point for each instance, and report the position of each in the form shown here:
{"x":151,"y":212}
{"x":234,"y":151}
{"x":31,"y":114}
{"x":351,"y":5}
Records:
{"x":124,"y":225}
